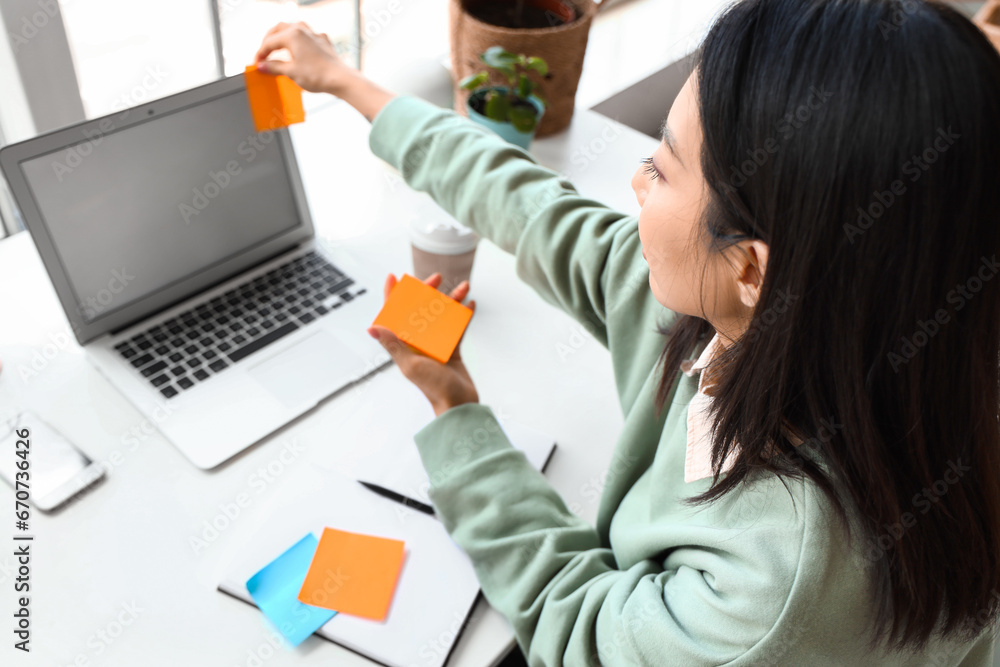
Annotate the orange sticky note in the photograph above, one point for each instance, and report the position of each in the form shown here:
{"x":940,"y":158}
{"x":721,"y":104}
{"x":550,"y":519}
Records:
{"x":275,"y":100}
{"x":353,"y":574}
{"x":424,"y":318}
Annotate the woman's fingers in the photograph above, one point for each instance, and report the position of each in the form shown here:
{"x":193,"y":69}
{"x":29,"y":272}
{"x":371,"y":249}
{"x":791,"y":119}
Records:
{"x":460,"y":292}
{"x":402,"y":354}
{"x":278,"y":27}
{"x":313,"y":63}
{"x":457,"y":354}
{"x":433,"y":280}
{"x":274,"y":41}
{"x":280,"y":37}
{"x":472,"y":307}
{"x":390,"y":282}
{"x":275,"y":67}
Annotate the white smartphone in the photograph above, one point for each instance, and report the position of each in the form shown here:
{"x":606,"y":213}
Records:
{"x":56,"y":469}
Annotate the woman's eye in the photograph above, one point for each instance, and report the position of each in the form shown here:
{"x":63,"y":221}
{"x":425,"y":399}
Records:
{"x":650,"y":168}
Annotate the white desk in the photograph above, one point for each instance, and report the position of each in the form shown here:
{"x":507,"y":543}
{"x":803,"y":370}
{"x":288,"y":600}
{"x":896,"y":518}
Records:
{"x":126,"y":543}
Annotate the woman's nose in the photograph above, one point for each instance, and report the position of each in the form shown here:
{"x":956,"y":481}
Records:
{"x":639,"y":186}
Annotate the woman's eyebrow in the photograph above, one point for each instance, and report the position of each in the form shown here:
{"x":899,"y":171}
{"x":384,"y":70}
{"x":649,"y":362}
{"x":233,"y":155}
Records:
{"x":671,"y":141}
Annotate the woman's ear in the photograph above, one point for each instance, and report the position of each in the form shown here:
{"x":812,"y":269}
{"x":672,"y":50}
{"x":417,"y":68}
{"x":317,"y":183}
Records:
{"x":750,"y":271}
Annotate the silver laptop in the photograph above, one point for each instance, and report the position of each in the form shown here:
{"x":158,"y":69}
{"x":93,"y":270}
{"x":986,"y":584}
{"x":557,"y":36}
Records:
{"x":180,"y":244}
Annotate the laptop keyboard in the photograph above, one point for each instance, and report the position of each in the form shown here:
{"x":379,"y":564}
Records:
{"x":202,"y":342}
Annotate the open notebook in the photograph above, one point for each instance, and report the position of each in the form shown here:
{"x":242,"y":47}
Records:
{"x":437,"y":586}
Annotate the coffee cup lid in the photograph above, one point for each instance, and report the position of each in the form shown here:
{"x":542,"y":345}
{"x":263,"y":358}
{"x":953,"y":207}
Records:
{"x":442,"y":236}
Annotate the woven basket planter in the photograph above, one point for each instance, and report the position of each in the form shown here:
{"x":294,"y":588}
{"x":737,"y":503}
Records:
{"x":562,"y":47}
{"x":988,"y":20}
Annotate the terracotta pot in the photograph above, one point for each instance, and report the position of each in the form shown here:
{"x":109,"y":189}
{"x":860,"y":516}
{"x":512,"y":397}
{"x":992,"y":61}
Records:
{"x":988,"y":20}
{"x":562,"y":46}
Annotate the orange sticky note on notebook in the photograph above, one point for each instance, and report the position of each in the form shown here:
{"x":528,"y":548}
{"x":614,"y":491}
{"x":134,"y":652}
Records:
{"x":275,"y":100}
{"x":353,"y":573}
{"x":424,"y":318}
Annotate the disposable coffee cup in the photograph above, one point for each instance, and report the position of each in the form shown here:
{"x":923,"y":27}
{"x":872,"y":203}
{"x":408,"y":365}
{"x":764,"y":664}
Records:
{"x":445,"y":247}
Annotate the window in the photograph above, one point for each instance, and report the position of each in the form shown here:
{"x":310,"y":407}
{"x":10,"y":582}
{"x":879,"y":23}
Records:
{"x":63,"y":61}
{"x":243,"y":24}
{"x":128,"y":53}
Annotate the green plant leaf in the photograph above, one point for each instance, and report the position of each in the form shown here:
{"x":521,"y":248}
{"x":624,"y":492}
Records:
{"x":538,"y":64}
{"x":542,"y":100}
{"x":474,"y":81}
{"x":523,"y":119}
{"x":510,"y":73}
{"x":497,"y":107}
{"x":499,"y":58}
{"x":524,"y":86}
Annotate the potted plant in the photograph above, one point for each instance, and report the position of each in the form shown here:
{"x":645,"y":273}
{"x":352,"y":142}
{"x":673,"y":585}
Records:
{"x":988,"y":20}
{"x":512,"y":111}
{"x":554,"y":30}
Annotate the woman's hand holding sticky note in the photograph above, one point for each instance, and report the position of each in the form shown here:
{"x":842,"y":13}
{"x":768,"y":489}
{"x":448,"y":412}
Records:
{"x":424,"y":318}
{"x":275,"y":101}
{"x":422,"y":328}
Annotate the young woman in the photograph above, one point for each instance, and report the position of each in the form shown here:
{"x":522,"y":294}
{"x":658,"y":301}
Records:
{"x":809,"y":471}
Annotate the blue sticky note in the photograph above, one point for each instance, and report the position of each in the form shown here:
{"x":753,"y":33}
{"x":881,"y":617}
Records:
{"x":275,"y":589}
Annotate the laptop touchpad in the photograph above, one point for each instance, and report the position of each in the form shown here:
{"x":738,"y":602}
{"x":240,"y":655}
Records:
{"x":308,"y":371}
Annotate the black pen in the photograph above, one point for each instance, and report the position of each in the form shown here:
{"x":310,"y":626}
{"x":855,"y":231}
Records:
{"x":398,"y":497}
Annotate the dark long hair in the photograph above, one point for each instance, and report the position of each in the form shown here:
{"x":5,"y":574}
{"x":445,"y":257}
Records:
{"x":860,"y":139}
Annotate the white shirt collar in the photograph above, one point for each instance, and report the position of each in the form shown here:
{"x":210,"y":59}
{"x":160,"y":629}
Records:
{"x":690,"y":367}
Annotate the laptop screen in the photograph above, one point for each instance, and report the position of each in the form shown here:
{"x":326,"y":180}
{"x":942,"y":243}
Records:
{"x":135,"y":210}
